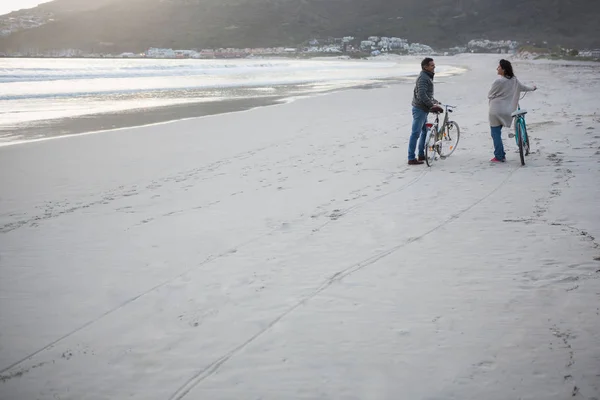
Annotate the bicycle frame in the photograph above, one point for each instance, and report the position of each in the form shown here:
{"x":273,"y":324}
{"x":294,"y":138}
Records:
{"x":521,"y":136}
{"x":440,"y":128}
{"x":438,"y":132}
{"x":520,"y":119}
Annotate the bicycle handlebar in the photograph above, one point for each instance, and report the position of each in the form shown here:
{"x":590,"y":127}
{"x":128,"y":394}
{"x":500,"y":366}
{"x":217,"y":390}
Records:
{"x":525,"y":93}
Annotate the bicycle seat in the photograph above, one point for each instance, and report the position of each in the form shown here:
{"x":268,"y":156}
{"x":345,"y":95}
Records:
{"x":436,"y":109}
{"x":518,"y":112}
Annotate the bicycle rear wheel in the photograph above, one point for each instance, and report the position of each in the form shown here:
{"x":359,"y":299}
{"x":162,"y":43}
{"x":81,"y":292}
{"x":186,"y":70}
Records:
{"x":519,"y":132}
{"x":449,"y":139}
{"x":430,"y":147}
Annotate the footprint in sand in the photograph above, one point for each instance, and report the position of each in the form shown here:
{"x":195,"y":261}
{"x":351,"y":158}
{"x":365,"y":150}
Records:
{"x":336,"y":214}
{"x":485,"y":365}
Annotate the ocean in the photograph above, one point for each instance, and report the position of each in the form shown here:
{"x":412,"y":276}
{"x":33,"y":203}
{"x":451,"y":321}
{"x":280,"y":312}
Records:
{"x":37,"y":96}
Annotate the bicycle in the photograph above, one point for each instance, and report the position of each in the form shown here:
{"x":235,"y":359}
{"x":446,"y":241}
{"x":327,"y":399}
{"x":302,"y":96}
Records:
{"x":444,"y":141}
{"x":520,"y":134}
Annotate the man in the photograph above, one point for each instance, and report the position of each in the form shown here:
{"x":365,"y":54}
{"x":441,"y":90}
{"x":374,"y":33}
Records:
{"x":423,"y":103}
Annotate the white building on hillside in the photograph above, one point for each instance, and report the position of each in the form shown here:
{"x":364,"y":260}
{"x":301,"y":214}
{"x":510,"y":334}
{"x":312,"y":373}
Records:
{"x":153,"y":52}
{"x":367,"y":44}
{"x":492,"y":46}
{"x":186,"y":54}
{"x":418,"y":49}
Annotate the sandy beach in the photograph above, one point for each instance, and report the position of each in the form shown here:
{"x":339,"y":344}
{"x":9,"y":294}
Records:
{"x":289,"y":252}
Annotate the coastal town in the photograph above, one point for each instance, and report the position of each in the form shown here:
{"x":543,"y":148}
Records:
{"x":347,"y":46}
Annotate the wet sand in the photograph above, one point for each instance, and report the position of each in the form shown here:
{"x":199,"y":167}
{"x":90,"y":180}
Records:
{"x":129,"y":118}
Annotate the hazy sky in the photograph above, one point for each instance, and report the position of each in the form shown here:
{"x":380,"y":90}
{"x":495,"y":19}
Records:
{"x":7,"y":6}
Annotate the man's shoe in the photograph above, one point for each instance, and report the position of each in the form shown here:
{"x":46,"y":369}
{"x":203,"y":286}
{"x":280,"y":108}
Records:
{"x":415,"y":162}
{"x":495,"y":160}
{"x":421,"y":158}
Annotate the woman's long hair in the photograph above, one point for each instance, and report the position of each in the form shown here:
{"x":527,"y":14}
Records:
{"x":507,"y":67}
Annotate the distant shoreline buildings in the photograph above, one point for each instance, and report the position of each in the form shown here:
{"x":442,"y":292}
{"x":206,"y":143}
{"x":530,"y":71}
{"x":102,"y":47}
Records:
{"x":348,"y":45}
{"x":344,"y":46}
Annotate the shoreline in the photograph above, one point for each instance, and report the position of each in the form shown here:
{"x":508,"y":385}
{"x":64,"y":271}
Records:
{"x":59,"y":128}
{"x":102,"y":122}
{"x":198,"y":106}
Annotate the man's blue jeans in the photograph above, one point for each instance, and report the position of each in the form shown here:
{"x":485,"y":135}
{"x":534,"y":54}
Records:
{"x":419,"y":130}
{"x":498,"y":146}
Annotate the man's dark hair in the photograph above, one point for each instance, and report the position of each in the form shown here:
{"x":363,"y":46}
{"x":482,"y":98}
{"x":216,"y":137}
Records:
{"x":426,"y":62}
{"x":507,"y":67}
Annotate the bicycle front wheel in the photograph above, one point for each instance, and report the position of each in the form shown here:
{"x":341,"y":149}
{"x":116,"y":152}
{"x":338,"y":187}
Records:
{"x":520,"y":141}
{"x":430,"y":147}
{"x":449,"y":139}
{"x":526,"y":144}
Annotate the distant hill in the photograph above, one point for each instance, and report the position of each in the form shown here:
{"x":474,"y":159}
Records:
{"x":135,"y":25}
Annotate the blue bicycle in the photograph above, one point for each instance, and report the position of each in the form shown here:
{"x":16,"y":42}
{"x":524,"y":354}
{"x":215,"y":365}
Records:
{"x":521,"y":132}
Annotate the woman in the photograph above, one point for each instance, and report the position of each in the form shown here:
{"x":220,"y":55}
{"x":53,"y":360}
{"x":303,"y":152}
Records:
{"x":504,"y":98}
